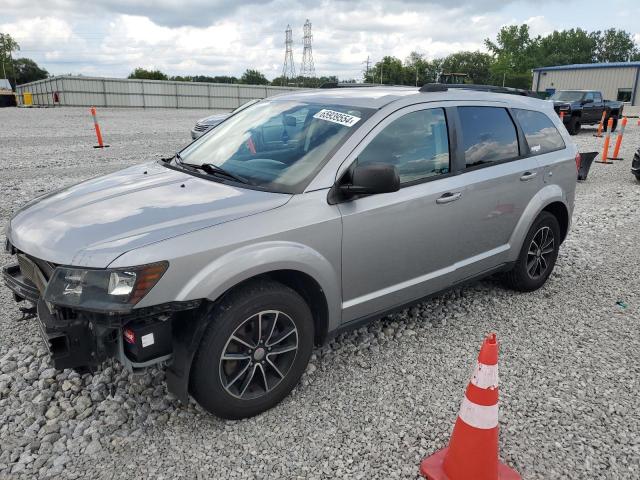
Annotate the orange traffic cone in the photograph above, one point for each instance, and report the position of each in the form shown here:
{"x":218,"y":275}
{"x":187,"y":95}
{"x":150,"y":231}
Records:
{"x":473,"y":449}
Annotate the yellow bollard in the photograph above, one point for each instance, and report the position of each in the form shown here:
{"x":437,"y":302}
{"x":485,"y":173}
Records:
{"x":27,"y":99}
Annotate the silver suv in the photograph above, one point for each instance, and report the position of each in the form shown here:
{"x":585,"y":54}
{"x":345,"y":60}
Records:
{"x":293,"y":219}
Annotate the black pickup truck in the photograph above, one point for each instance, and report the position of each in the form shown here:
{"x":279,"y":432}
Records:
{"x":585,"y":107}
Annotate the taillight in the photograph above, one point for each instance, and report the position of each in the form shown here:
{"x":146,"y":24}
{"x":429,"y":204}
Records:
{"x":578,"y":161}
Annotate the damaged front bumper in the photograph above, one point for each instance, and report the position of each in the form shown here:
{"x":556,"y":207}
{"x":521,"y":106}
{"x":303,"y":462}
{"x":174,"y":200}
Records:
{"x":81,"y":339}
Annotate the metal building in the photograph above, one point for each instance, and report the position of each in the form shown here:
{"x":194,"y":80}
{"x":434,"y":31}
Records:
{"x":617,"y":80}
{"x":120,"y":92}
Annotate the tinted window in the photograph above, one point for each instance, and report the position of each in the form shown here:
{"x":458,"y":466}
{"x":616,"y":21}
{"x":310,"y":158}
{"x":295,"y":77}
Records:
{"x":597,"y":97}
{"x":417,"y":144}
{"x":542,"y":136}
{"x":589,"y":96}
{"x":488,"y":135}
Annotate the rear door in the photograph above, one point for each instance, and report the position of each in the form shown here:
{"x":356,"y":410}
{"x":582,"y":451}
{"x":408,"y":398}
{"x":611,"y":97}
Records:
{"x":500,"y":179}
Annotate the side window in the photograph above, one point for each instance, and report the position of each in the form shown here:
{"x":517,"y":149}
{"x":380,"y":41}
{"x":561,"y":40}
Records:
{"x":597,"y":97}
{"x":417,"y":144}
{"x":590,"y":96}
{"x":488,"y":135}
{"x":540,"y":132}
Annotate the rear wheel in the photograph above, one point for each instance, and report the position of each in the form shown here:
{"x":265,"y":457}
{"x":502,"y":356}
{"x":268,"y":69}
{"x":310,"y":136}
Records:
{"x":574,"y":126}
{"x":537,"y":256}
{"x":254,"y":351}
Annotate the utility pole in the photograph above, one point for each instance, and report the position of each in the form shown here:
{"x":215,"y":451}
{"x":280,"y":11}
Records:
{"x":366,"y":71}
{"x":288,"y":69}
{"x":308,"y":69}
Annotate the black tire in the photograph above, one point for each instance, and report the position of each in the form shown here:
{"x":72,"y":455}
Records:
{"x":574,"y":126}
{"x":211,"y":378}
{"x":520,"y":277}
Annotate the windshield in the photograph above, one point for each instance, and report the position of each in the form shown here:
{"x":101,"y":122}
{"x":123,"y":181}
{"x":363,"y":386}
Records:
{"x":277,"y":145}
{"x":567,"y":96}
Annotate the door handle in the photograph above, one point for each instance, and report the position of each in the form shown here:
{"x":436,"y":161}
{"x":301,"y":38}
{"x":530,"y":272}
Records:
{"x":449,"y":197}
{"x":528,"y":176}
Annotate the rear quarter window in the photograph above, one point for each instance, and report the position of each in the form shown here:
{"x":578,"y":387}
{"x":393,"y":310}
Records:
{"x":540,"y":132}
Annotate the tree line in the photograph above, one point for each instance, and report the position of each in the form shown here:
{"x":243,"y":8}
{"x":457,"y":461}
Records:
{"x":508,"y":61}
{"x":510,"y":58}
{"x":17,"y":70}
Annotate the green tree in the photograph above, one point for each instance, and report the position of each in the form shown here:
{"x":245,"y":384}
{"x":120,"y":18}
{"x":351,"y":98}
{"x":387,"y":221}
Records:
{"x":614,"y":46}
{"x":389,"y":71}
{"x":475,"y":64}
{"x":515,"y":54}
{"x":566,"y":47}
{"x":417,"y":70}
{"x":253,"y":77}
{"x":26,"y":70}
{"x":7,"y":46}
{"x":143,"y":74}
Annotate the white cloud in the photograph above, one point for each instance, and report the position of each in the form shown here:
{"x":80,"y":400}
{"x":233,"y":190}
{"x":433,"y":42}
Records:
{"x":224,"y":37}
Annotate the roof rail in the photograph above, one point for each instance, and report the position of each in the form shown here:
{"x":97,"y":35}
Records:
{"x":346,"y":85}
{"x":434,"y":87}
{"x":494,"y":89}
{"x":442,"y":87}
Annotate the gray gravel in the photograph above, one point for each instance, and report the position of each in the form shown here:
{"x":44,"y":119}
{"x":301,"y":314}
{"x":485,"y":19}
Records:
{"x":373,"y":402}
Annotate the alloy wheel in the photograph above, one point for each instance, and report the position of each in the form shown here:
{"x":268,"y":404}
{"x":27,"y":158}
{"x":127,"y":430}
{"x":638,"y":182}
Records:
{"x":258,"y":354}
{"x":540,"y":252}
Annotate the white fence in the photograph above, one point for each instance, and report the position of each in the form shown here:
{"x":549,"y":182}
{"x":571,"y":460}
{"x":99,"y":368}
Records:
{"x":119,"y":92}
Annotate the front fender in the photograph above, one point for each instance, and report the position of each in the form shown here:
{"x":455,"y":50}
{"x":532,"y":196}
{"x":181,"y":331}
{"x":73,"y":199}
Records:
{"x":234,"y":267}
{"x":548,"y":195}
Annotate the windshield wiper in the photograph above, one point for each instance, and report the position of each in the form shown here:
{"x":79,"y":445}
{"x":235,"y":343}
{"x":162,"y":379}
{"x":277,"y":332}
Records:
{"x":212,"y":169}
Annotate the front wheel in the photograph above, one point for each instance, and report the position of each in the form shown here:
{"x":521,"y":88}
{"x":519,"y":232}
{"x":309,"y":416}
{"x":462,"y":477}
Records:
{"x":537,"y":256}
{"x":254,"y":351}
{"x":574,"y":126}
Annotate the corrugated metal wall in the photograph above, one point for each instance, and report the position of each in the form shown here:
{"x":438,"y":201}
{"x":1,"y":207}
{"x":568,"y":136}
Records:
{"x":118,"y":92}
{"x":607,"y":80}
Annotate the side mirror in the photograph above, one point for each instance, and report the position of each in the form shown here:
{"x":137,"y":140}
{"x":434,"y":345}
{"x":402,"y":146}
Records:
{"x":289,"y":121}
{"x":372,"y":178}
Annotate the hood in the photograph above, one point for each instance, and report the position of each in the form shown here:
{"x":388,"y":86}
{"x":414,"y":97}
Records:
{"x":213,"y":119}
{"x":94,"y":222}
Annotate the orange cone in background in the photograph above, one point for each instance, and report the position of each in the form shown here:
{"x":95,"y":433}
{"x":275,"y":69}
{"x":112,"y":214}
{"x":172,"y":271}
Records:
{"x":616,"y":150}
{"x":605,"y":147}
{"x":473,"y":448}
{"x":601,"y":125}
{"x":97,"y":127}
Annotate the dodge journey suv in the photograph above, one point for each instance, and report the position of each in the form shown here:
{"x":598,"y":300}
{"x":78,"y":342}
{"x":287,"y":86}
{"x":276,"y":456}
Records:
{"x":293,"y":219}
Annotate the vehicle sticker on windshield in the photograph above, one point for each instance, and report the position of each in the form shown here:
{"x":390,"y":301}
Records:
{"x":337,"y":117}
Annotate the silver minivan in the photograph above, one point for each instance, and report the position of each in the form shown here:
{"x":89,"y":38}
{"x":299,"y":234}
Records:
{"x":294,"y":219}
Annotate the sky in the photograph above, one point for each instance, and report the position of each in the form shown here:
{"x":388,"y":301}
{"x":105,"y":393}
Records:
{"x":224,"y":37}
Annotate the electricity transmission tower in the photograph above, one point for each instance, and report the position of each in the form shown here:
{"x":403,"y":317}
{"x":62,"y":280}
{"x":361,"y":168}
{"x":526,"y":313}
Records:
{"x":308,"y":70}
{"x":288,"y":69}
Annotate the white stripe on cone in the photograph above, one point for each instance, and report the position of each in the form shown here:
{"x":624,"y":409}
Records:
{"x":485,"y":376}
{"x":478,"y":416}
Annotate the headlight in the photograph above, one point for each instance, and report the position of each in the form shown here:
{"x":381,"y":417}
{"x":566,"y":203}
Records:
{"x":102,"y":290}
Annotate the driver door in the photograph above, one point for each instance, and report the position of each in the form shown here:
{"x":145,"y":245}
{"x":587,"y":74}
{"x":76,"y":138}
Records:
{"x":401,"y":246}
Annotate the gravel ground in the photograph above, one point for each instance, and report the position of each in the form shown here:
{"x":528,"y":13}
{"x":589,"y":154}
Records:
{"x":373,"y":402}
